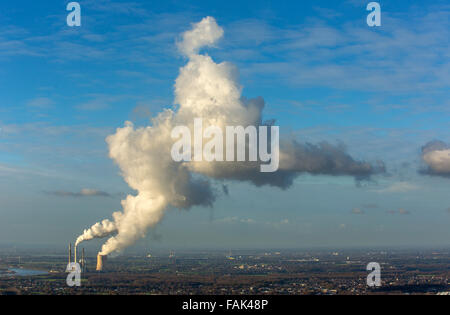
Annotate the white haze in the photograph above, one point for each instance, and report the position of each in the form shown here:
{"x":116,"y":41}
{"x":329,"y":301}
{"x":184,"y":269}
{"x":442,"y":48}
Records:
{"x":211,"y":91}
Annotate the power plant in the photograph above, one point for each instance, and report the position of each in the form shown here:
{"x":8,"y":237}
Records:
{"x":101,"y":259}
{"x":82,"y":261}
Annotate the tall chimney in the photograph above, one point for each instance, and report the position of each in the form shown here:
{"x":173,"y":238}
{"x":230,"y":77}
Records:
{"x":75,"y":254}
{"x":100,"y":262}
{"x":83,"y":261}
{"x":70,"y":252}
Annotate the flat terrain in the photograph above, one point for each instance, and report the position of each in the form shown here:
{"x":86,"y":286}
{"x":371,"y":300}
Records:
{"x":243,"y":272}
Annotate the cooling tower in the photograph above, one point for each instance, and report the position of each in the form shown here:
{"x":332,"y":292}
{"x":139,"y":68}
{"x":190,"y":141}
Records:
{"x":100,"y":262}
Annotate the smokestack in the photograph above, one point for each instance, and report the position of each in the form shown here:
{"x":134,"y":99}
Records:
{"x":101,"y":259}
{"x":70,"y":252}
{"x":75,"y":254}
{"x":83,"y":267}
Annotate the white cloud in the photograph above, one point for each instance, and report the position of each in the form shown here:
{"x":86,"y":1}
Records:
{"x":40,"y":102}
{"x":318,"y":53}
{"x":399,"y":187}
{"x":235,"y":220}
{"x":436,"y":155}
{"x":357,"y":211}
{"x":205,"y":33}
{"x":85,"y":192}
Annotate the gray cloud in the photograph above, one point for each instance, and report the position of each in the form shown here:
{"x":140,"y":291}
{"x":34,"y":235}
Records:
{"x":326,"y":158}
{"x":225,"y":189}
{"x":296,"y":159}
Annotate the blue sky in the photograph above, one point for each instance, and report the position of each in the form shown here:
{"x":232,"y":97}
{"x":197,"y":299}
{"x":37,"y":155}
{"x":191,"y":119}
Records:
{"x":325,"y":76}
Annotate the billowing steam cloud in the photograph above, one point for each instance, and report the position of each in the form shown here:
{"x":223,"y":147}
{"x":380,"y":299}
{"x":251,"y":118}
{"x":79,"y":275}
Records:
{"x":207,"y":90}
{"x":98,"y":230}
{"x":436,"y":155}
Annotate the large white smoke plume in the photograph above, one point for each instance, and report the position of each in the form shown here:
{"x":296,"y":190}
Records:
{"x":207,"y":90}
{"x":98,"y":230}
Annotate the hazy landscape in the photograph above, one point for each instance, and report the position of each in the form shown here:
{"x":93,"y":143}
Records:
{"x":241,"y":272}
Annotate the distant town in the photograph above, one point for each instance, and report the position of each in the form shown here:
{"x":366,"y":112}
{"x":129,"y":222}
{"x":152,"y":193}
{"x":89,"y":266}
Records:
{"x":240,"y":272}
